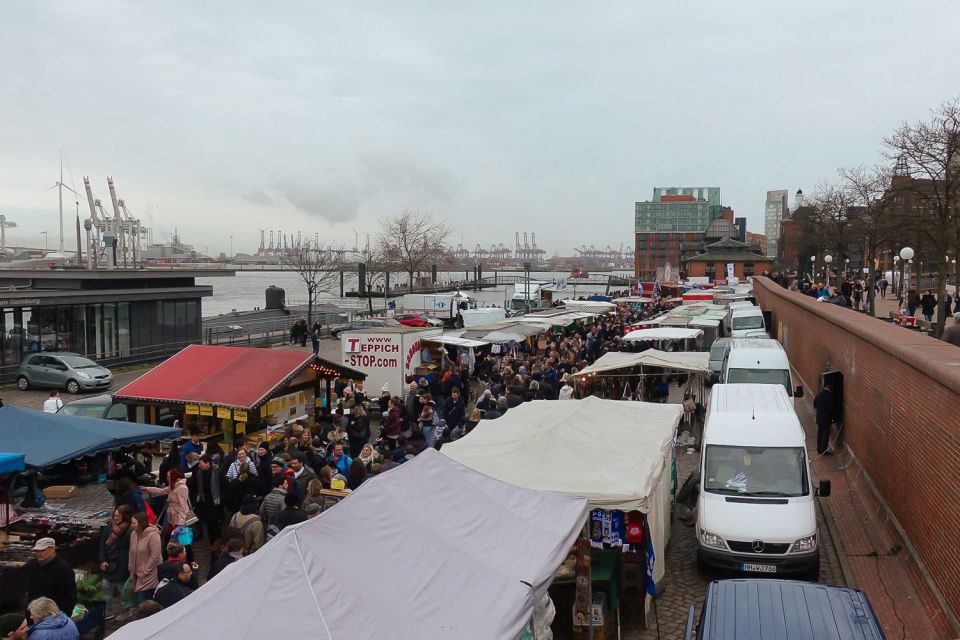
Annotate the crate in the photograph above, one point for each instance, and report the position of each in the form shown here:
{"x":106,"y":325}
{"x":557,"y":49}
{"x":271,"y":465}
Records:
{"x":60,"y":492}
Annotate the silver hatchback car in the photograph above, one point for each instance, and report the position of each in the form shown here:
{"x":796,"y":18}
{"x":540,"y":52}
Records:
{"x":60,"y":370}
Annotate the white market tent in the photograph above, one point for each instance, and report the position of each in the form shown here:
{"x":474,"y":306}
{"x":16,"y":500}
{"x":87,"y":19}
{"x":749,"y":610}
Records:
{"x":664,"y":333}
{"x":456,"y":340}
{"x":618,"y":454}
{"x":690,"y":361}
{"x":593,"y":306}
{"x":428,"y":550}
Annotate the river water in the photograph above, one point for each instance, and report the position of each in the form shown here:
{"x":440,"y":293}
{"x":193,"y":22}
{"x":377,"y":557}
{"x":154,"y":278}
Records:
{"x":245,"y":290}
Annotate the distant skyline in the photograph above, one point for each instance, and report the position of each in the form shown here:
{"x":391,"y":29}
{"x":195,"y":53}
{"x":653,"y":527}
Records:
{"x":219,"y":118}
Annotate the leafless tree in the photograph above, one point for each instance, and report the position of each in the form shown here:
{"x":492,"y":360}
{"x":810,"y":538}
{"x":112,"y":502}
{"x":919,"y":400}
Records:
{"x":318,"y":266}
{"x":375,"y":271}
{"x":927,"y":154}
{"x":835,"y":220}
{"x":866,"y":188}
{"x":411,"y":240}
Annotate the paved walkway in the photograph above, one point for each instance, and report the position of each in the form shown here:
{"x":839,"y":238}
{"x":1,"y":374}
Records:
{"x":872,"y":552}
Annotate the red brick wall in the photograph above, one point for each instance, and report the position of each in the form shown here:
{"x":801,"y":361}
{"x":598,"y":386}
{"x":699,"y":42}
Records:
{"x":901,"y":415}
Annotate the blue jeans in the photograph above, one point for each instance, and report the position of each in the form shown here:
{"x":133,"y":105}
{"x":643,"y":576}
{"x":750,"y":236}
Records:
{"x":928,"y":317}
{"x":143,"y":596}
{"x":428,"y":434}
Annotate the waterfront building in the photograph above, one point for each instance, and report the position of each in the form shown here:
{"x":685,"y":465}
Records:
{"x":672,"y":219}
{"x":722,"y":254}
{"x":113,"y":316}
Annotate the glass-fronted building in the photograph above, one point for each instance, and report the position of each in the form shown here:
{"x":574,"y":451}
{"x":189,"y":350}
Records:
{"x":674,"y":217}
{"x":112,"y":316}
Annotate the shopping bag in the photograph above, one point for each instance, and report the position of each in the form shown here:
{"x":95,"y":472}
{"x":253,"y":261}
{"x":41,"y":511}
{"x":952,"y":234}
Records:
{"x":128,"y":597}
{"x":184,"y":535}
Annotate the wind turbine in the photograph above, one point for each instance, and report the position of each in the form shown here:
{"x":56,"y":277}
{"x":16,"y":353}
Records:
{"x":61,"y":186}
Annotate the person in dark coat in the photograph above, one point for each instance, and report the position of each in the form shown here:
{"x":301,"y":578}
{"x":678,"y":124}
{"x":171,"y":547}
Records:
{"x":234,"y":553}
{"x":823,"y":405}
{"x":115,"y":550}
{"x":174,"y":590}
{"x":291,"y":514}
{"x":358,"y":430}
{"x":928,"y":305}
{"x":204,"y":487}
{"x":264,"y":463}
{"x":456,"y":410}
{"x":49,"y":576}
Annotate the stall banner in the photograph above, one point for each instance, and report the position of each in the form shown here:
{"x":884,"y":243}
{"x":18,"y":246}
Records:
{"x":191,"y":410}
{"x":263,"y":411}
{"x":224,"y":412}
{"x":372,"y":351}
{"x":273,"y":407}
{"x":581,"y":602}
{"x":239,"y":415}
{"x":206,"y":410}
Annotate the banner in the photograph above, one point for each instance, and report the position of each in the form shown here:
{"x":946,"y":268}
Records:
{"x":192,"y":410}
{"x":206,"y":410}
{"x":224,"y":412}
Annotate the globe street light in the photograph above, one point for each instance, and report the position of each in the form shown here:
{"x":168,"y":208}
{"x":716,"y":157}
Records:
{"x":828,"y":259}
{"x":906,"y":254}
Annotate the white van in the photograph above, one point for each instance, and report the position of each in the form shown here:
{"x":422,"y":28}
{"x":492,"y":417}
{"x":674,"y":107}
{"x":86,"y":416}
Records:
{"x":745,"y":320}
{"x":755,"y":512}
{"x":758,"y":361}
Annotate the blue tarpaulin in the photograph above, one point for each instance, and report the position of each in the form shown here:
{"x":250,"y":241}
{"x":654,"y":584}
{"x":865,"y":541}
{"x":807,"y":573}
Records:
{"x":46,"y":439}
{"x":11,"y":463}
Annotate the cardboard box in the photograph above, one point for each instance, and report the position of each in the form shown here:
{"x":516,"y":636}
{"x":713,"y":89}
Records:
{"x":60,"y":492}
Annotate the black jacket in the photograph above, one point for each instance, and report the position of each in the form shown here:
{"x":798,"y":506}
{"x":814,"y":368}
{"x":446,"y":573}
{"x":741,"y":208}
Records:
{"x":54,"y":580}
{"x":220,"y":564}
{"x":456,"y":412}
{"x":171,"y":593}
{"x":823,"y":404}
{"x":117,"y":558}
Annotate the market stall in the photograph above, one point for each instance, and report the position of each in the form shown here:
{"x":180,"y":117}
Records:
{"x":617,"y":454}
{"x":481,"y":554}
{"x":46,"y":440}
{"x":620,"y":375}
{"x":226,"y":392}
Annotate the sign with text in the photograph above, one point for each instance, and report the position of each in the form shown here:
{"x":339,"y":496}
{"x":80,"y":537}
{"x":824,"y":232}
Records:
{"x":376,"y":351}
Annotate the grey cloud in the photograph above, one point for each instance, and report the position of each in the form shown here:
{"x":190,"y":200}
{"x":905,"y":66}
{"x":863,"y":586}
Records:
{"x":334,"y":203}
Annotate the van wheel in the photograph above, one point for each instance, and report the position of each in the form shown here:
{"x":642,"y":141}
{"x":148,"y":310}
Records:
{"x":22,"y":383}
{"x":73,"y":387}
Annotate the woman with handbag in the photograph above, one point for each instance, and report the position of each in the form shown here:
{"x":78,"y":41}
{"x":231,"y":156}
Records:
{"x":177,"y":511}
{"x":144,"y":557}
{"x":115,"y":550}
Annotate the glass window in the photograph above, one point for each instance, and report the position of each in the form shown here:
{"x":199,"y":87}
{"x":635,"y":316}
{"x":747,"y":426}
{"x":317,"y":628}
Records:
{"x":110,"y":329}
{"x":42,"y":328}
{"x":123,"y":328}
{"x":64,"y":328}
{"x":169,"y":324}
{"x":181,"y":320}
{"x":94,"y":330}
{"x":193,"y":320}
{"x":758,"y":471}
{"x":80,"y":329}
{"x":11,"y":339}
{"x":28,"y":331}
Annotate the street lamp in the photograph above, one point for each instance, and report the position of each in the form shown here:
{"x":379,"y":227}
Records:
{"x":813,"y":266}
{"x":828,"y":259}
{"x":906,"y":254}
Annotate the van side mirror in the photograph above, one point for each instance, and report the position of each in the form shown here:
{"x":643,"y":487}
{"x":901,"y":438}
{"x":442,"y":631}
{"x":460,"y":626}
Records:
{"x":823,"y":490}
{"x":798,"y":392}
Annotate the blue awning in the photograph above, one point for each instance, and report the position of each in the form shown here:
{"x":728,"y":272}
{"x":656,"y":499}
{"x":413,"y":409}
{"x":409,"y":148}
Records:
{"x":11,"y":463}
{"x":46,"y":439}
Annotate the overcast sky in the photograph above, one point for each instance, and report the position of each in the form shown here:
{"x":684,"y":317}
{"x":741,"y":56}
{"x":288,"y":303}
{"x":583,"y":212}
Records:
{"x":219,"y":118}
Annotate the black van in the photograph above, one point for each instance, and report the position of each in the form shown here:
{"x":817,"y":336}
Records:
{"x":758,"y":609}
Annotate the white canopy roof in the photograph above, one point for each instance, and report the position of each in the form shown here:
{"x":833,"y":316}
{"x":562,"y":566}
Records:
{"x":456,"y":340}
{"x":664,"y":333}
{"x":611,"y":451}
{"x":692,"y":361}
{"x":595,"y":306}
{"x":428,"y":550}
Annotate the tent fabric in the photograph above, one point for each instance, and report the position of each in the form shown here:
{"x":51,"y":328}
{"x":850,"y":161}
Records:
{"x":592,"y":306}
{"x":691,"y":361}
{"x":220,"y":375}
{"x":11,"y":463}
{"x":664,"y":333}
{"x":428,"y":550}
{"x":456,"y":341}
{"x":50,"y":438}
{"x":541,"y":445}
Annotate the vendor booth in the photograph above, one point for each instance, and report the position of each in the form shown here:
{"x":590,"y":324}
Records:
{"x":428,"y":550}
{"x":639,"y":376}
{"x":617,"y":454}
{"x":45,"y":441}
{"x":236,"y":391}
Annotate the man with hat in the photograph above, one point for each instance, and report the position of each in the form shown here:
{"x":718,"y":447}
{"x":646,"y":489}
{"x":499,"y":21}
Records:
{"x":49,"y":576}
{"x":13,"y":626}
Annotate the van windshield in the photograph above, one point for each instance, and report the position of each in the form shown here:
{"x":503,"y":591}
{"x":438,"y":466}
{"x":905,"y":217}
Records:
{"x":747,"y":322}
{"x":756,"y":471}
{"x":718,"y":350}
{"x":760,"y":376}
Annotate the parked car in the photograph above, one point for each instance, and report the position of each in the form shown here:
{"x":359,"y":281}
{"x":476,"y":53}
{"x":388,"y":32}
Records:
{"x":100,"y":406}
{"x":366,"y":323}
{"x":718,"y":353}
{"x":780,"y":609}
{"x":417,"y":320}
{"x":60,"y":370}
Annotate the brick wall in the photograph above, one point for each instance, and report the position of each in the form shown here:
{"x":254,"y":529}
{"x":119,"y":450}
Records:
{"x":901,"y":415}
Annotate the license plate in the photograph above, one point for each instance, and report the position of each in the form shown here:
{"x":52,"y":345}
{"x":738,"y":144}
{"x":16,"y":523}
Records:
{"x":758,"y":568}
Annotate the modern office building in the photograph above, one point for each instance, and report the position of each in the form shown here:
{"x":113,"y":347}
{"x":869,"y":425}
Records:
{"x":113,"y":316}
{"x":775,"y":209}
{"x":673,"y":218}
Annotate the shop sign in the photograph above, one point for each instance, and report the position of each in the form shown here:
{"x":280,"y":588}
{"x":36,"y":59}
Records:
{"x":263,"y":411}
{"x":192,"y":410}
{"x":224,"y":412}
{"x":239,"y":415}
{"x":206,"y":410}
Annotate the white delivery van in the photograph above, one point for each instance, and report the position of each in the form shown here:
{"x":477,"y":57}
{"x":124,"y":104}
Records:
{"x":756,"y":512}
{"x":386,"y":354}
{"x":746,"y":320}
{"x":444,"y":306}
{"x":482,"y":316}
{"x":758,"y":361}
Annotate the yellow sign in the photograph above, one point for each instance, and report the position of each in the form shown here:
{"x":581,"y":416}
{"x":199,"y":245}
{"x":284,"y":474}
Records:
{"x":192,"y":410}
{"x":241,"y":428}
{"x":224,"y":412}
{"x":263,"y":410}
{"x":239,"y":415}
{"x":300,"y":398}
{"x":283,"y":403}
{"x":206,"y":410}
{"x":273,"y":407}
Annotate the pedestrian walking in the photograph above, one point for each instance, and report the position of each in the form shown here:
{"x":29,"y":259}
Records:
{"x":883,"y":287}
{"x":823,"y":405}
{"x":53,"y":403}
{"x":315,"y":341}
{"x":928,"y":305}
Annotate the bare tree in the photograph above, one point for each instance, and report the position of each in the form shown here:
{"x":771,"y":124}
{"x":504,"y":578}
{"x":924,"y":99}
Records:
{"x":318,"y":266}
{"x":374,"y":273}
{"x":412,"y":240}
{"x":928,"y":174}
{"x":866,"y":188}
{"x":835,"y":219}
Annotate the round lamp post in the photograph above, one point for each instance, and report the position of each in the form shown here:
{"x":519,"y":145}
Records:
{"x":813,"y":267}
{"x":897,"y":281}
{"x":828,"y":259}
{"x":906,"y":254}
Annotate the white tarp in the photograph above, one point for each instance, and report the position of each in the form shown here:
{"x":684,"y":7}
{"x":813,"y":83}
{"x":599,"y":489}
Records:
{"x":664,"y":333}
{"x":617,"y":453}
{"x":456,"y":340}
{"x":692,"y":361}
{"x":428,"y":550}
{"x":593,"y":306}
